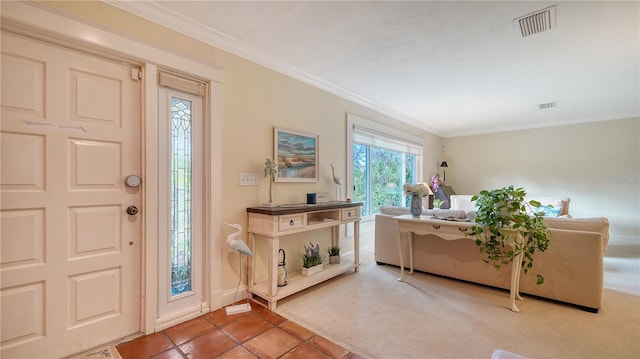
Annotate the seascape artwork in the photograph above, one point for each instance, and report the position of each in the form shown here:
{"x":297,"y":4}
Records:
{"x":296,"y":155}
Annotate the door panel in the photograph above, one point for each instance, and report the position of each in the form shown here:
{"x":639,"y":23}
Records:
{"x":70,"y":255}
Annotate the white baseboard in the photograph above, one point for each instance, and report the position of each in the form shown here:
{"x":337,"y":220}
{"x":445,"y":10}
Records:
{"x":181,"y":317}
{"x":227,"y":296}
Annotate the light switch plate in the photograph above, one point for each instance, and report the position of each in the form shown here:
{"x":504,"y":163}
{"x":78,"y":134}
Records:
{"x":248,"y":179}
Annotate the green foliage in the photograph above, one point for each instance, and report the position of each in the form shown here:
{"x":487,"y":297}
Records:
{"x":504,"y":230}
{"x":334,"y":251}
{"x":437,"y":203}
{"x":382,"y":171}
{"x":311,"y":256}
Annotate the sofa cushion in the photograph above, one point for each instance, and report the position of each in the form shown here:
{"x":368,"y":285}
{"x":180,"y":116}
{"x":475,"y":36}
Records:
{"x":596,"y":224}
{"x":394,"y":210}
{"x":463,"y":202}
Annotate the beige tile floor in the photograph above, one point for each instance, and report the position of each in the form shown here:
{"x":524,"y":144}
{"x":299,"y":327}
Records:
{"x":259,"y":333}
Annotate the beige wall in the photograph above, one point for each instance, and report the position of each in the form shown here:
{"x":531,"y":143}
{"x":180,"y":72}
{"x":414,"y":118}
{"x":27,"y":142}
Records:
{"x":255,"y":99}
{"x":597,"y":165}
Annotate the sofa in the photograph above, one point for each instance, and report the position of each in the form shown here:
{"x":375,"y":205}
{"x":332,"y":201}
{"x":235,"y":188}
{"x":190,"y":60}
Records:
{"x":572,"y":265}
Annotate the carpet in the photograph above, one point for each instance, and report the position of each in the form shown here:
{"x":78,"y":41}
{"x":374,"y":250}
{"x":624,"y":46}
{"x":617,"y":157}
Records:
{"x":372,"y":314}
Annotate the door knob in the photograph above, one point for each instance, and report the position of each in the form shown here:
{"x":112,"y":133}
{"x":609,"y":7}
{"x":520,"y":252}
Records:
{"x":132,"y":210}
{"x":132,"y":181}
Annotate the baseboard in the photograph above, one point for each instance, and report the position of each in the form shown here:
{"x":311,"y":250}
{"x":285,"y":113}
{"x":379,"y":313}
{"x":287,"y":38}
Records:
{"x":227,"y":296}
{"x":181,"y":317}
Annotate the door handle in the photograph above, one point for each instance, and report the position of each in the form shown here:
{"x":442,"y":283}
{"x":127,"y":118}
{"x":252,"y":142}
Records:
{"x":132,"y":210}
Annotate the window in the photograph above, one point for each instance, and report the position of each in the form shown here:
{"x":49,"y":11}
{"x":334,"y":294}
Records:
{"x":180,"y":195}
{"x":383,"y":160}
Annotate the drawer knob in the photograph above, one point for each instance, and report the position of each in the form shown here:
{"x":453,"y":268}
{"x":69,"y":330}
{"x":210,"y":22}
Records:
{"x":348,"y":214}
{"x":463,"y":229}
{"x":436,"y":226}
{"x":291,"y":222}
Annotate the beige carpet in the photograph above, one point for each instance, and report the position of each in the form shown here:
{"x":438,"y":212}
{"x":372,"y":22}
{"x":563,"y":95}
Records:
{"x":372,"y":314}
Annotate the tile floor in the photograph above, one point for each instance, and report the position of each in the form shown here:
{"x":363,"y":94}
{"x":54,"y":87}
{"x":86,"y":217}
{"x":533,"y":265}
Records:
{"x":259,"y":333}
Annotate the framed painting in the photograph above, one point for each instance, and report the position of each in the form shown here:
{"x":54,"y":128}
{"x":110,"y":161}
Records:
{"x":296,"y":154}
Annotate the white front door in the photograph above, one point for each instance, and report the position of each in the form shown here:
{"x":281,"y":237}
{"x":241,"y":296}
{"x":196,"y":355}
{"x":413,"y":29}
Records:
{"x":70,"y":254}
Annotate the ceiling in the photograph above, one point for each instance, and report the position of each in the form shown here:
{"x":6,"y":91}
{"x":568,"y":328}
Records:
{"x":452,"y":68}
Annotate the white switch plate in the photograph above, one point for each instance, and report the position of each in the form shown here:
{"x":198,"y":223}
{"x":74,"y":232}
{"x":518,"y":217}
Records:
{"x":248,"y":179}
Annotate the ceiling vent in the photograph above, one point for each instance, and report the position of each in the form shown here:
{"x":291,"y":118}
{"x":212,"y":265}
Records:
{"x":536,"y":22}
{"x":544,"y":106}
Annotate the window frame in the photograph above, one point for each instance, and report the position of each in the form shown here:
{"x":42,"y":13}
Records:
{"x":383,"y":131}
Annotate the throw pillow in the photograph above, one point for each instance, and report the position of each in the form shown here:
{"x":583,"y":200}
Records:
{"x":549,"y":211}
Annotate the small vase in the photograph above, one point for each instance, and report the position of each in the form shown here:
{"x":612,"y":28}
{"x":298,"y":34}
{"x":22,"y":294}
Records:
{"x":416,"y":206}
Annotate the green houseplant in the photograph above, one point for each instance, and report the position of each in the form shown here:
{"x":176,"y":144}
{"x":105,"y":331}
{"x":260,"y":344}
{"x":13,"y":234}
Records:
{"x":504,"y":229}
{"x":437,"y":203}
{"x":311,"y":259}
{"x":334,"y":254}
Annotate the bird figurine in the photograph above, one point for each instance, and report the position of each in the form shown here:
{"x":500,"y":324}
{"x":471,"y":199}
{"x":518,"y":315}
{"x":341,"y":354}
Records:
{"x":235,"y":243}
{"x":338,"y":181}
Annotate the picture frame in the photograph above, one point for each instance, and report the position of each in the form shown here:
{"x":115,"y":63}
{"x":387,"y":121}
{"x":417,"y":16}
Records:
{"x":296,"y":155}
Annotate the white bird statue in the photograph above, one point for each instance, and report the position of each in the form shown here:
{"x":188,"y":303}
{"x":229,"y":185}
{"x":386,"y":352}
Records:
{"x":237,"y":244}
{"x":338,"y":181}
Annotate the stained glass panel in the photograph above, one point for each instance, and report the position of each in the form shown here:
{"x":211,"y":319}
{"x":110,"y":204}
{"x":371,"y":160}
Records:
{"x":180,"y":186}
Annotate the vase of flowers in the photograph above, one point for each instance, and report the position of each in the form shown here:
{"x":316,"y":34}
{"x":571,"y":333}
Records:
{"x":417,"y":193}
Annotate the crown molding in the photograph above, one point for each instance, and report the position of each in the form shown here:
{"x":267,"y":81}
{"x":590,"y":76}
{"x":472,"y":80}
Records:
{"x":154,"y":12}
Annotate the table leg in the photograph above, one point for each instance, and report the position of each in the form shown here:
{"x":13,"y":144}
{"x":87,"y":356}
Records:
{"x":272,"y":265}
{"x":410,"y":240}
{"x":515,"y":283}
{"x":356,"y":245}
{"x":401,"y":256}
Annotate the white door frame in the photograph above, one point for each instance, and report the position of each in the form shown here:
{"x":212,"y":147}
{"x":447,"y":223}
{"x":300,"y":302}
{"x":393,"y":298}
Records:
{"x":39,"y":21}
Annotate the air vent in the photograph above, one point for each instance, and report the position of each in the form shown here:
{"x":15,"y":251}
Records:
{"x":544,"y":106}
{"x":536,"y":22}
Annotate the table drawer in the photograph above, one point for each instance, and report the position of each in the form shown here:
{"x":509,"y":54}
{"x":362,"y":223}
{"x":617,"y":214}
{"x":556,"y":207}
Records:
{"x":291,"y":222}
{"x":349,"y":213}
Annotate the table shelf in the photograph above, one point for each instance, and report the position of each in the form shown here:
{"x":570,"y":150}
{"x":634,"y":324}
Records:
{"x":297,"y":282}
{"x":272,"y":223}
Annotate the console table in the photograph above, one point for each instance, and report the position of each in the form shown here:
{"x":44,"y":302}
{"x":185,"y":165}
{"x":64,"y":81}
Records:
{"x":447,"y":230}
{"x":273,"y":222}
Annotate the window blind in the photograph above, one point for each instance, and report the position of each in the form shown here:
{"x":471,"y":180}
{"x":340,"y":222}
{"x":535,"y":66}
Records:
{"x":370,"y":137}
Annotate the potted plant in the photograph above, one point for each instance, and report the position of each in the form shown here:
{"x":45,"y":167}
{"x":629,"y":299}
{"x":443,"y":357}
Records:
{"x":504,"y":230}
{"x":311,"y":260}
{"x":437,"y":203}
{"x":270,"y":170}
{"x":417,"y":192}
{"x":334,"y":255}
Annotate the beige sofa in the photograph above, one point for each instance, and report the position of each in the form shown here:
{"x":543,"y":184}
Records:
{"x":572,"y":265}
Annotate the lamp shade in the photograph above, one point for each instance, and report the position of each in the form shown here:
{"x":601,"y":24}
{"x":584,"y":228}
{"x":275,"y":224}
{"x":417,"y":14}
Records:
{"x":444,"y":164}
